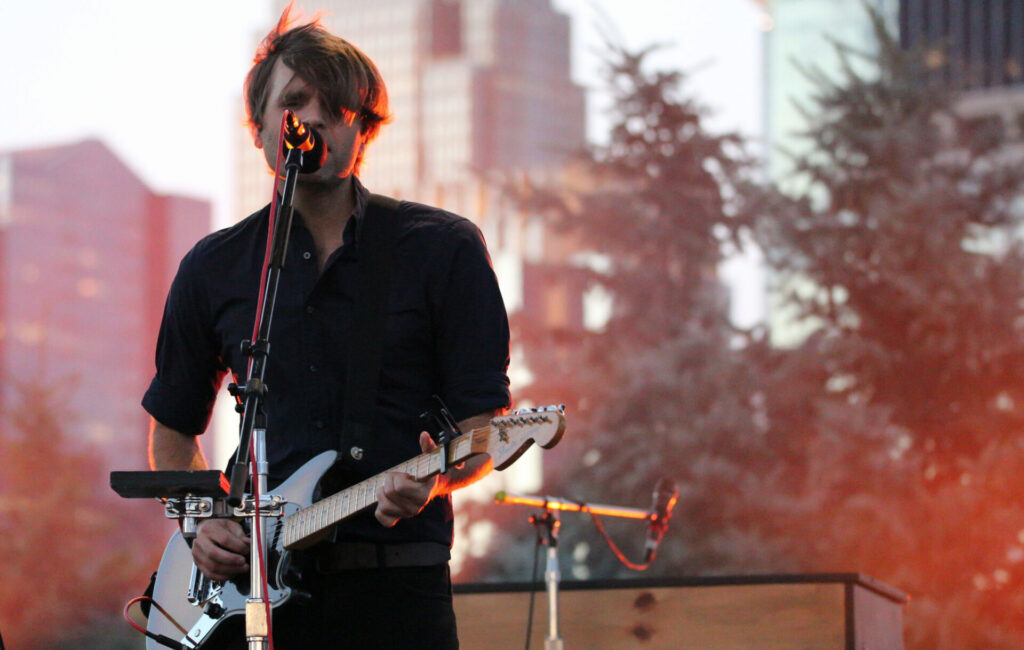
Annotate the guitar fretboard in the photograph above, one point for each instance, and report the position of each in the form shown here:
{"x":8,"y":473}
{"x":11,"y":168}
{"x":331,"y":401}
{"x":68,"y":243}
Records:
{"x":314,"y":519}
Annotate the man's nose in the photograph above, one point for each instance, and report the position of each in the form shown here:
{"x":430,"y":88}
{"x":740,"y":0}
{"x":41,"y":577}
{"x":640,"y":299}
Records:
{"x":311,"y":114}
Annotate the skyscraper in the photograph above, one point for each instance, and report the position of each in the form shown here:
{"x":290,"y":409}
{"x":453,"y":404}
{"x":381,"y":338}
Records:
{"x":87,"y":253}
{"x":480,"y":92}
{"x":800,"y":37}
{"x":971,"y":43}
{"x":977,"y":48}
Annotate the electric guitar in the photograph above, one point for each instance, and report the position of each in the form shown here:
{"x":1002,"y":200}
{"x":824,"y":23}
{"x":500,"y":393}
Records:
{"x":200,"y":612}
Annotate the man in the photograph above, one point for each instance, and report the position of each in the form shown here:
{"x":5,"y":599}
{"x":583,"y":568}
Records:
{"x":446,"y":333}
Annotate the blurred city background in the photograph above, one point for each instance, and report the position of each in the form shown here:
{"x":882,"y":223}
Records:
{"x":770,"y":249}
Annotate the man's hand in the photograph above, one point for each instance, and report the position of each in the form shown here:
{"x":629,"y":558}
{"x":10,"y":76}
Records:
{"x":221,"y":549}
{"x":402,"y":495}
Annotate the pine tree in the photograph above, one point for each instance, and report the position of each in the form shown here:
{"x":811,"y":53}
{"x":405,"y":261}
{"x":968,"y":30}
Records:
{"x":900,"y":417}
{"x":660,"y":390}
{"x":73,"y":552}
{"x":887,"y":441}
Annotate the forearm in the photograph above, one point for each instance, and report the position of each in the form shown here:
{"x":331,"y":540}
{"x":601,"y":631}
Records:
{"x":170,"y":449}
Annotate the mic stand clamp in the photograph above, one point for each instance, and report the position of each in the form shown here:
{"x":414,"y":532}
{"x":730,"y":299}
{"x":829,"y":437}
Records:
{"x":188,"y":510}
{"x":547,"y":525}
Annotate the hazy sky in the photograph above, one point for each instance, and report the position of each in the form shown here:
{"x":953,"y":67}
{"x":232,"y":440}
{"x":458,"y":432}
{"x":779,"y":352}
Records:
{"x":160,"y":82}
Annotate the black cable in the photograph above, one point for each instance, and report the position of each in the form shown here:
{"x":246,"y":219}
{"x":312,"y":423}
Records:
{"x":533,"y":592}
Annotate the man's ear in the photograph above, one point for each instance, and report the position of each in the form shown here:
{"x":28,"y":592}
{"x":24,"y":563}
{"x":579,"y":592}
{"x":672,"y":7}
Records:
{"x":256,"y":140}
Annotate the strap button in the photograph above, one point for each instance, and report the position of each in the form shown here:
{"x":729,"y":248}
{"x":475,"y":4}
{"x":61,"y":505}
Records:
{"x":356,"y":453}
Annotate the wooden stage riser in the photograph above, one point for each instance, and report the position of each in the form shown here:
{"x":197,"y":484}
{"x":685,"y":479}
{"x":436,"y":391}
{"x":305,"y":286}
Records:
{"x":726,"y":617}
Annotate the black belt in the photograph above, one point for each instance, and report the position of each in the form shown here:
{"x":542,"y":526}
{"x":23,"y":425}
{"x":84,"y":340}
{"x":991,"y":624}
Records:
{"x":347,"y":556}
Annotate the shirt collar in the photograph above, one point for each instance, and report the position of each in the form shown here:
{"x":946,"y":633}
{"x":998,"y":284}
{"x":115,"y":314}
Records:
{"x":362,"y":199}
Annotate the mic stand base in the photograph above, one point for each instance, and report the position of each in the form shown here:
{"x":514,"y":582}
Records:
{"x":547,"y":526}
{"x":552,"y":576}
{"x":257,"y":625}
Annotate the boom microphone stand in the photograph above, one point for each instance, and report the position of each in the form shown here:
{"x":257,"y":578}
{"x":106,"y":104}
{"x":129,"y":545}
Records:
{"x":547,"y":525}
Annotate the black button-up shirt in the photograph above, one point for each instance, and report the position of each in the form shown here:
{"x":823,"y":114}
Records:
{"x":446,"y":334}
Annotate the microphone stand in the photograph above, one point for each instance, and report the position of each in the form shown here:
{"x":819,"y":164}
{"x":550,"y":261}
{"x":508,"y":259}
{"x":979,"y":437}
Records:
{"x":253,"y":421}
{"x":547,"y":525}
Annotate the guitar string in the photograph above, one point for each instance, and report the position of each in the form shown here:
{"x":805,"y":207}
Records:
{"x":306,"y":521}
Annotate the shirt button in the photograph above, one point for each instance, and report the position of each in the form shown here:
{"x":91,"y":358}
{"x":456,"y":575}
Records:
{"x":306,"y":255}
{"x":309,"y":309}
{"x":319,"y":424}
{"x":356,"y":453}
{"x":312,"y":367}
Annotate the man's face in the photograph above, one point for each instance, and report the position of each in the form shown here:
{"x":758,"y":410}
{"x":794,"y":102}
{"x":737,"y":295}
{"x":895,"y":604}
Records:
{"x":344,"y":141}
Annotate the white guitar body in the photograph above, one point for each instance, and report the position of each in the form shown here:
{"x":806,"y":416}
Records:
{"x":224,"y":602}
{"x":201,"y":611}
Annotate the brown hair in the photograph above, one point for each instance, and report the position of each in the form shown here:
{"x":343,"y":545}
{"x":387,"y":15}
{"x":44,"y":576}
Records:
{"x":347,"y":82}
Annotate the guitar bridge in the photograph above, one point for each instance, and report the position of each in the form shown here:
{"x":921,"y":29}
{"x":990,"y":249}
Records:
{"x":200,"y":588}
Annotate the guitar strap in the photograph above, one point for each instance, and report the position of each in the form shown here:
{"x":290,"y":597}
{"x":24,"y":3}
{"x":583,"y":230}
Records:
{"x":376,"y":246}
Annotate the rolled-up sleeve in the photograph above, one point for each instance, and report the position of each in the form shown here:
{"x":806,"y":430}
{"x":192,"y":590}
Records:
{"x":188,"y":368}
{"x":472,"y":336}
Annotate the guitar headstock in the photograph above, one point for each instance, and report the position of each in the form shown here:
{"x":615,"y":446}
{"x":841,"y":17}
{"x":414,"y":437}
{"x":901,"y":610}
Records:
{"x":511,"y":435}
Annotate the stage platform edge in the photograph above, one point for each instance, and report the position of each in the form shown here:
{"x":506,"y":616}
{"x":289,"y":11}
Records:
{"x":850,"y":611}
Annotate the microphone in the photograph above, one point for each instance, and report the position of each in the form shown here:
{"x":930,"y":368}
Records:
{"x":662,"y":501}
{"x":297,"y":135}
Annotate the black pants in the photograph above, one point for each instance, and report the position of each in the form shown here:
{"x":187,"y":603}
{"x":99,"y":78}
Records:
{"x":401,"y":608}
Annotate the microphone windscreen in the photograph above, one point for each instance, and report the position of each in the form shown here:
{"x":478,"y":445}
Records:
{"x":665,"y":496}
{"x":315,"y":158}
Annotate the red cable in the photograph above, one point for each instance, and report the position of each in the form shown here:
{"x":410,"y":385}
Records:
{"x":270,"y":232}
{"x":615,"y":549}
{"x":163,"y":640}
{"x":129,"y":618}
{"x":238,"y":398}
{"x":271,"y":228}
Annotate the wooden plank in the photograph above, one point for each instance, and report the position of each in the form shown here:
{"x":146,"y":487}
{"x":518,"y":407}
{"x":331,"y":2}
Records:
{"x":724,"y":617}
{"x":876,"y":623}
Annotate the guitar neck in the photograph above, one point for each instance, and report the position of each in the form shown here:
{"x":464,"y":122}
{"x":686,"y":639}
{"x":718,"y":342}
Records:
{"x":309,"y":524}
